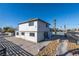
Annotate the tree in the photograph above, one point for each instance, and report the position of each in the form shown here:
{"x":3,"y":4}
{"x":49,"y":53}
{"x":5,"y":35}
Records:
{"x":69,"y":30}
{"x":8,"y":29}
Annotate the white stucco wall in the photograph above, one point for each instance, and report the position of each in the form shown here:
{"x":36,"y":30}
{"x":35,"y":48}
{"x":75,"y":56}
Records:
{"x":39,"y":28}
{"x":26,"y":27}
{"x":42,"y":26}
{"x":30,"y":38}
{"x":27,"y":36}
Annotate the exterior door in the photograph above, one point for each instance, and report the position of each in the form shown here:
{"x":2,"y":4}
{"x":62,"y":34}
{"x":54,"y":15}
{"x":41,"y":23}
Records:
{"x":45,"y":35}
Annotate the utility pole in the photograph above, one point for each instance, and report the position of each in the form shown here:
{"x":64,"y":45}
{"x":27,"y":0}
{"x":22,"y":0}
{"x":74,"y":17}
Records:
{"x":54,"y":26}
{"x":65,"y":30}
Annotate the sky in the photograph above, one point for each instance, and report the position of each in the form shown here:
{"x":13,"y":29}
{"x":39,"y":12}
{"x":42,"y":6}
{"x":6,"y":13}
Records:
{"x":65,"y":14}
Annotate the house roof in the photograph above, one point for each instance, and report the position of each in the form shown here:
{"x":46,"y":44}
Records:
{"x":34,"y":19}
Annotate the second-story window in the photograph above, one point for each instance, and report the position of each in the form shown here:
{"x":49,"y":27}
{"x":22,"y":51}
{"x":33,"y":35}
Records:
{"x":31,"y":23}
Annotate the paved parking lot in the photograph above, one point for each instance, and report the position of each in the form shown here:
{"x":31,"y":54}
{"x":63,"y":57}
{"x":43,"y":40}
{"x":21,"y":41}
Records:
{"x":13,"y":49}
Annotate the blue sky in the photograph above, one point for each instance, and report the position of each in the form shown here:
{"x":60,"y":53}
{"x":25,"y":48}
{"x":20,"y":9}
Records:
{"x":12,"y":14}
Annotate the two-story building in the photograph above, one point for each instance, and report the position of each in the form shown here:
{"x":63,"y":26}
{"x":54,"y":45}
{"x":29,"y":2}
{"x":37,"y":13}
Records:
{"x":34,"y":30}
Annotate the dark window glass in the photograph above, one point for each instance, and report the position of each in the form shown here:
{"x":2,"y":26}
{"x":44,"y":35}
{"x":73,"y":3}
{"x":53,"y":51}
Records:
{"x":17,"y":33}
{"x":32,"y":34}
{"x":22,"y":33}
{"x":31,"y":23}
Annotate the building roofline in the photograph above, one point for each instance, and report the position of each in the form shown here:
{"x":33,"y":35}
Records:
{"x":34,"y":19}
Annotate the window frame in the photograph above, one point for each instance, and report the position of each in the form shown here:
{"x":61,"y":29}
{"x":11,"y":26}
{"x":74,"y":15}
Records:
{"x":32,"y":34}
{"x":31,"y":23}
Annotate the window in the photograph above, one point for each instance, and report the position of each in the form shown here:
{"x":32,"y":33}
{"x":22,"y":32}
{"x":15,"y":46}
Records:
{"x":22,"y":33}
{"x":17,"y":33}
{"x":32,"y":34}
{"x":31,"y":23}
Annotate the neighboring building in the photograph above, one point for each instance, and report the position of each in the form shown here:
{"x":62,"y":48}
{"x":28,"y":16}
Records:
{"x":34,"y":30}
{"x":8,"y":34}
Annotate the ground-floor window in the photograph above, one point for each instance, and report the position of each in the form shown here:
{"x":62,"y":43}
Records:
{"x":32,"y":34}
{"x":17,"y":33}
{"x":22,"y":33}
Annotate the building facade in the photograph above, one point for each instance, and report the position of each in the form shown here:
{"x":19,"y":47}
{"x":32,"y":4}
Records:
{"x":34,"y":30}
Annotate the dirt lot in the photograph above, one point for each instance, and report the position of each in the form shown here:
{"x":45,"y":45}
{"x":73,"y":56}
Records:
{"x":30,"y":47}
